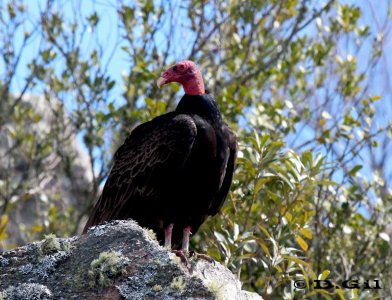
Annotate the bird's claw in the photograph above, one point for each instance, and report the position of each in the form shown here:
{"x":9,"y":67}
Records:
{"x":187,"y":256}
{"x":201,"y":256}
{"x":183,"y":256}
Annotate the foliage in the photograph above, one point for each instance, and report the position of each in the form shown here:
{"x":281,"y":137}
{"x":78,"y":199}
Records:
{"x":304,"y":84}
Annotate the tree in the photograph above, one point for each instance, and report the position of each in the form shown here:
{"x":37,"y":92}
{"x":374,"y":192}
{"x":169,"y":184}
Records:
{"x":305,"y":85}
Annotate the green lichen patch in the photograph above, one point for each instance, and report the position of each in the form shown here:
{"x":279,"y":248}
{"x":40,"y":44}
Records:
{"x":217,"y":289}
{"x":157,"y":288}
{"x":108,"y":266}
{"x":151,"y":234}
{"x":178,"y":283}
{"x":51,"y":244}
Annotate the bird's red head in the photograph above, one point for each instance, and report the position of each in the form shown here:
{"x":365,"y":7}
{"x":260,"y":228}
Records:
{"x":187,"y":74}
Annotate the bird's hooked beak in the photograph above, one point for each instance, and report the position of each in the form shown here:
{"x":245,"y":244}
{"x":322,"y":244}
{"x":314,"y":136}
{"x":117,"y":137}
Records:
{"x":161,"y":81}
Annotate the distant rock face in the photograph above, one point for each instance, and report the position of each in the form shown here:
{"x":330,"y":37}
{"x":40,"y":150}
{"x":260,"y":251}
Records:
{"x":33,"y":184}
{"x":119,"y":260}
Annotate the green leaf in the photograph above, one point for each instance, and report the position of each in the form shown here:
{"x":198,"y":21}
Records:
{"x":324,"y":274}
{"x":93,"y":19}
{"x":264,"y":247}
{"x":375,"y":98}
{"x":340,"y":294}
{"x":301,"y":242}
{"x":307,"y":158}
{"x":306,"y":233}
{"x":260,"y":184}
{"x":264,"y":231}
{"x":326,"y":182}
{"x":354,"y":170}
{"x":3,"y":227}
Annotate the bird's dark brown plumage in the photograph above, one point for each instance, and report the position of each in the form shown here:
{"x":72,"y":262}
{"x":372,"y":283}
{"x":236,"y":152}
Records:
{"x":175,"y":169}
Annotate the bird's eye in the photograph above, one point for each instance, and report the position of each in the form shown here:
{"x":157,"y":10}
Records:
{"x":175,"y":68}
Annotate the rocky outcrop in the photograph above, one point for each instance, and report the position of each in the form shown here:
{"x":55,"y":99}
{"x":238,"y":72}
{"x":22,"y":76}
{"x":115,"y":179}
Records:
{"x":44,"y":171}
{"x":119,"y":260}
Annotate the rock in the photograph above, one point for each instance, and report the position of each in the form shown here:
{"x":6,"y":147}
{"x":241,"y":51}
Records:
{"x":119,"y":260}
{"x":65,"y":179}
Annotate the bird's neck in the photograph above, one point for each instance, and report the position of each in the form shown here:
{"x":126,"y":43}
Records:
{"x":195,"y":86}
{"x":202,"y":105}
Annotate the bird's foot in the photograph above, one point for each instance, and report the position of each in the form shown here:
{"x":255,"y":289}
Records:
{"x":201,"y":256}
{"x":183,"y":255}
{"x":187,"y":257}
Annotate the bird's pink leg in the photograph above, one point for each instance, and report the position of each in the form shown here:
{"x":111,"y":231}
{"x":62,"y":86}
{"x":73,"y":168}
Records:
{"x":168,"y":235}
{"x":184,"y":253}
{"x":185,"y":239}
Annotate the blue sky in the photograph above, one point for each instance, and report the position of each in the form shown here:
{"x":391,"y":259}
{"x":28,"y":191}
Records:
{"x":107,"y":37}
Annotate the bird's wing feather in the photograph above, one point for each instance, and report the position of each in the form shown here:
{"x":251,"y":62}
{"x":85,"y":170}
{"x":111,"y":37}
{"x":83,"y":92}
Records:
{"x":226,"y":174}
{"x":154,"y":151}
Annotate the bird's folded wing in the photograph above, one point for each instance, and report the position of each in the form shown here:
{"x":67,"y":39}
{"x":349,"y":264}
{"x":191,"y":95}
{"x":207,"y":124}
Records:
{"x":153,"y":152}
{"x":226,"y":175}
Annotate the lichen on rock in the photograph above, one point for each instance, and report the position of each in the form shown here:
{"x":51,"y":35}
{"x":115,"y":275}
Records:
{"x":48,"y":254}
{"x":118,"y":260}
{"x":26,"y":291}
{"x":178,"y":283}
{"x":108,"y":266}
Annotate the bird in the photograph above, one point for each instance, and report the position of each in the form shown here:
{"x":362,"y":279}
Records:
{"x":174,"y":171}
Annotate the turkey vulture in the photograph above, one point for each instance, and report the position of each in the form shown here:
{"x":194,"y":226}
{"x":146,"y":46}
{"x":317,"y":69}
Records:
{"x":174,"y":171}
